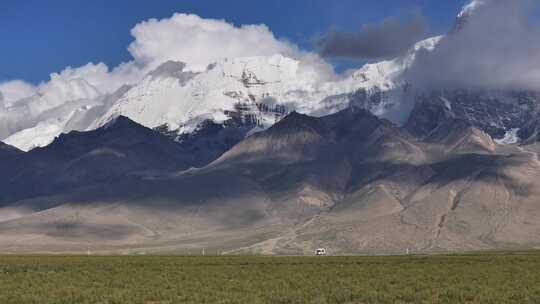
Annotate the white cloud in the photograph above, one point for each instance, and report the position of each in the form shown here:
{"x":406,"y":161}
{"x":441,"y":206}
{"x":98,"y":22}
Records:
{"x":313,"y":67}
{"x":494,"y":46}
{"x":11,"y":91}
{"x":199,"y":42}
{"x":99,"y":75}
{"x":59,"y":90}
{"x":183,"y":37}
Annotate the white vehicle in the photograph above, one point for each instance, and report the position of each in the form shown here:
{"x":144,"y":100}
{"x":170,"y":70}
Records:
{"x":320,"y":251}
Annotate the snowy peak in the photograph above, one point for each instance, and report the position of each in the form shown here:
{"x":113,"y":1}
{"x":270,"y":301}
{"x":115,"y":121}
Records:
{"x":259,"y":89}
{"x":183,"y":105}
{"x":36,"y":120}
{"x":508,"y":117}
{"x":251,"y":93}
{"x":470,"y":8}
{"x":382,"y":73}
{"x":257,"y":71}
{"x":386,"y":74}
{"x":466,"y":13}
{"x":121,"y":122}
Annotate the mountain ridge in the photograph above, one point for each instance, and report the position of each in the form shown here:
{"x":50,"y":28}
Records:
{"x":344,"y":181}
{"x":265,"y":155}
{"x":256,"y":89}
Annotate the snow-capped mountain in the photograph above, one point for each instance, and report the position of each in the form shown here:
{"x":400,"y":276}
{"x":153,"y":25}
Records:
{"x":253,"y":91}
{"x":256,"y":90}
{"x":501,"y":114}
{"x":58,"y":105}
{"x":251,"y":94}
{"x":466,"y":12}
{"x":29,"y":124}
{"x":182,"y":100}
{"x":321,"y":169}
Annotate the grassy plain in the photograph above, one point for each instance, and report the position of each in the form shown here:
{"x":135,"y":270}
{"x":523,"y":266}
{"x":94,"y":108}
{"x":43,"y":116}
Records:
{"x":468,"y":278}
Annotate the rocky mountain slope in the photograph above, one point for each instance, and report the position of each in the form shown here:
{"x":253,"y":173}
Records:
{"x":508,"y":116}
{"x":350,"y":181}
{"x":82,"y":159}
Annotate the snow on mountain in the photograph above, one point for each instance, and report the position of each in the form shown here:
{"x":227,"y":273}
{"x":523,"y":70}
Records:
{"x":49,"y":96}
{"x":181,"y":100}
{"x":38,"y":136}
{"x":252,"y":91}
{"x":182,"y":103}
{"x":60,"y":107}
{"x":71,"y":116}
{"x":510,"y":137}
{"x":466,"y":13}
{"x":470,"y":8}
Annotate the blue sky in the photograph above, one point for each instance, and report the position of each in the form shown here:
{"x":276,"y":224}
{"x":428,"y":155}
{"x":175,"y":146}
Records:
{"x":40,"y":37}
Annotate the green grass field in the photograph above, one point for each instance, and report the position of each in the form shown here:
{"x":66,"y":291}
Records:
{"x":472,"y":278}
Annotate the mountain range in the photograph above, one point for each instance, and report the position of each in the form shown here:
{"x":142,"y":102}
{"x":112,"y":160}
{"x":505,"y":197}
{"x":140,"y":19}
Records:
{"x":252,"y":93}
{"x":263,"y":155}
{"x":349,"y":181}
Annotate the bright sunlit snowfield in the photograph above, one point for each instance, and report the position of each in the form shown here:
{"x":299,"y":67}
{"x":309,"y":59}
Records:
{"x":466,"y":278}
